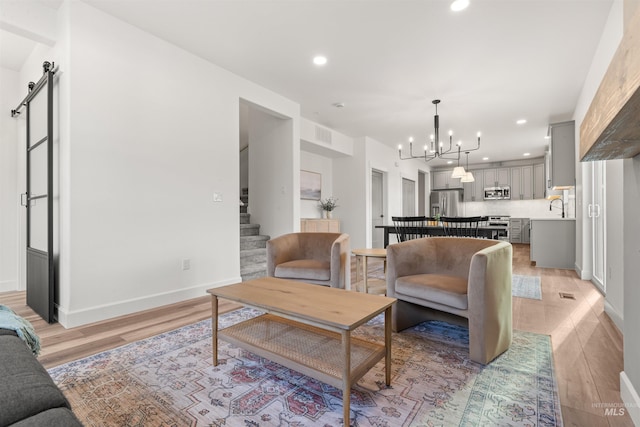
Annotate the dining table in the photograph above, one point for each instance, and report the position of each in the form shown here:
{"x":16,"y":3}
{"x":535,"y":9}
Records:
{"x":484,"y":231}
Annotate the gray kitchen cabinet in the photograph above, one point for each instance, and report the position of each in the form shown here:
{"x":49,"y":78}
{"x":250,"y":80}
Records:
{"x":474,"y":191}
{"x":538,"y":181}
{"x":442,"y":180}
{"x":526,"y":230}
{"x":553,"y":242}
{"x":562,"y":155}
{"x":499,"y":177}
{"x":522,"y":183}
{"x":515,"y":230}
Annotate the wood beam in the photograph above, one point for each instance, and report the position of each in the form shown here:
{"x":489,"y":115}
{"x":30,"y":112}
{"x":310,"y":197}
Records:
{"x":611,"y":127}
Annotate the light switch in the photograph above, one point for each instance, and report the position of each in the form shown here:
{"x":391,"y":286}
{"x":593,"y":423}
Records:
{"x":217,"y":197}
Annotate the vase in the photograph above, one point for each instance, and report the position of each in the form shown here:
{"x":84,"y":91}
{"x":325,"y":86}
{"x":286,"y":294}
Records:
{"x":326,"y":214}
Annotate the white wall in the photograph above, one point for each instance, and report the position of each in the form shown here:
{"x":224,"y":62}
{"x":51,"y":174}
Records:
{"x":273,"y":184}
{"x":12,"y":94}
{"x":138,"y":171}
{"x":324,"y":166}
{"x":630,"y":385}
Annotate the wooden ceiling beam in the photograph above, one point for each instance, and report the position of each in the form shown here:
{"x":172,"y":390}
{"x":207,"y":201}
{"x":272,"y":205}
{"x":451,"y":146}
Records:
{"x":611,"y":127}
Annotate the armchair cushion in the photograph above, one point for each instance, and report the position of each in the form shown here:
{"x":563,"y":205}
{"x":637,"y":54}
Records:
{"x":304,"y":269}
{"x":439,"y":288}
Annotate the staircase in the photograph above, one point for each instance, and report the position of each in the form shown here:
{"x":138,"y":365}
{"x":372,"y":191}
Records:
{"x":253,"y":246}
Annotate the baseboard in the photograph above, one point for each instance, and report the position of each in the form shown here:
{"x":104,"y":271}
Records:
{"x":72,"y":319}
{"x":630,"y":398}
{"x":614,"y":315}
{"x":582,"y":274}
{"x":8,"y":286}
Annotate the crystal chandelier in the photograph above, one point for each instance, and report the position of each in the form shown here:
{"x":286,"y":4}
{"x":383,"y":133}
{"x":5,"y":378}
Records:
{"x":435,"y":149}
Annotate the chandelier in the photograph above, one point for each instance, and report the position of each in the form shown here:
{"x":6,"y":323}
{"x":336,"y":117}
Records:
{"x":435,"y":149}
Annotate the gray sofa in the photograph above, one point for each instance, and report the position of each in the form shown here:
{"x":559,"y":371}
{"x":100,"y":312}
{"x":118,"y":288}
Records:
{"x":28,"y":395}
{"x":437,"y":277}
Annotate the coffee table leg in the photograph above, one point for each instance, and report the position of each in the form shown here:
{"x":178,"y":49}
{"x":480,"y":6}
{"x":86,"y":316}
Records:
{"x":214,"y":328}
{"x":387,"y":345}
{"x":346,"y":377}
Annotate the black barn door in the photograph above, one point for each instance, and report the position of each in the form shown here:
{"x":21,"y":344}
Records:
{"x":38,"y":199}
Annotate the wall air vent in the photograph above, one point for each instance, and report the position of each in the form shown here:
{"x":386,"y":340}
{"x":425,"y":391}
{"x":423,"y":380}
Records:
{"x":323,"y":135}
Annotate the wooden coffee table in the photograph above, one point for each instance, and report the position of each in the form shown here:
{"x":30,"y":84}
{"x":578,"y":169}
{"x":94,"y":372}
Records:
{"x":307,"y":328}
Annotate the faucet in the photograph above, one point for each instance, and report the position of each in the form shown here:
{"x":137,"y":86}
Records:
{"x":551,"y":205}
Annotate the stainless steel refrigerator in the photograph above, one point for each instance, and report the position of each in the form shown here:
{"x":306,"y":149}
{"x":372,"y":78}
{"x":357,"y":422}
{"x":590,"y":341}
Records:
{"x":446,"y":202}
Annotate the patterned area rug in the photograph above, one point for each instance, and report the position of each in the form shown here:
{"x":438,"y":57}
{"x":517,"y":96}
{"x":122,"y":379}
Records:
{"x":526,"y":287}
{"x":169,"y":380}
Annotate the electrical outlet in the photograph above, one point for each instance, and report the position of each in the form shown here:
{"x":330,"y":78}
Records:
{"x":186,"y":264}
{"x":217,"y":197}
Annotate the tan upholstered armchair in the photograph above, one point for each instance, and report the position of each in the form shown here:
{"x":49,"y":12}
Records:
{"x":469,"y":278}
{"x":318,"y":258}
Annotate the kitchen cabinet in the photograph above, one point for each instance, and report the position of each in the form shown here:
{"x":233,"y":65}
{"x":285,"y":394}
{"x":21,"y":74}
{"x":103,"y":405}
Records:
{"x":442,"y":180}
{"x":553,"y":242}
{"x":515,"y":230}
{"x":522,"y":183}
{"x":519,"y":230}
{"x":474,"y":191}
{"x":562,"y":155}
{"x":539,"y":186}
{"x":526,"y":230}
{"x":499,"y":177}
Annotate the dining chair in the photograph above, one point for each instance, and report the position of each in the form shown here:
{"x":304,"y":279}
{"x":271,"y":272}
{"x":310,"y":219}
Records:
{"x":410,"y":227}
{"x":461,"y":226}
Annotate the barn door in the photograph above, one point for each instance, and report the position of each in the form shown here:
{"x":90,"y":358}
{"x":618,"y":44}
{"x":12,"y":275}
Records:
{"x":38,"y":200}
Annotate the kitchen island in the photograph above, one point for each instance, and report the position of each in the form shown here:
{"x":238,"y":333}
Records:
{"x":487,"y":231}
{"x":553,"y":242}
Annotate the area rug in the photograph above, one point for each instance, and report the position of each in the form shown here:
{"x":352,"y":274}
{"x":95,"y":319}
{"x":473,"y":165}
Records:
{"x":526,"y":287}
{"x":169,"y":380}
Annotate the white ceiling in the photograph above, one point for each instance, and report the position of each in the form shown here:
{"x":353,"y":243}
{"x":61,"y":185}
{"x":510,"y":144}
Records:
{"x":494,"y":63}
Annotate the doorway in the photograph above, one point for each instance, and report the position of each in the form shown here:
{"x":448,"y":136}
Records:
{"x":408,"y":197}
{"x":422,"y":194}
{"x":377,"y":208}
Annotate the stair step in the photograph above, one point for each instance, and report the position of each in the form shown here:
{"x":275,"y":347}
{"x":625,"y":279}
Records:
{"x":249,"y":229}
{"x":260,"y":268}
{"x":244,"y":218}
{"x":253,"y":256}
{"x":253,"y":242}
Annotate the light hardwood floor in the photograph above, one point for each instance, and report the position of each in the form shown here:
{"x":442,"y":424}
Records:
{"x":587,"y":345}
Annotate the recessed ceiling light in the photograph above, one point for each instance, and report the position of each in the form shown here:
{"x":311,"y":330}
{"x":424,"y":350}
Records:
{"x":485,"y":158}
{"x":521,"y":121}
{"x":339,"y":104}
{"x":526,"y":154}
{"x":459,"y":5}
{"x":320,"y":60}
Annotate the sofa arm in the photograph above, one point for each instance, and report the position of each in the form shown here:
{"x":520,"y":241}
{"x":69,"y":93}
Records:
{"x":279,"y":250}
{"x":490,"y":301}
{"x":340,"y":261}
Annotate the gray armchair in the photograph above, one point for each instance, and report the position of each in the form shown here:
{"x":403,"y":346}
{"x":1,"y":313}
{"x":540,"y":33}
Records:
{"x":464,"y":277}
{"x":317,"y":258}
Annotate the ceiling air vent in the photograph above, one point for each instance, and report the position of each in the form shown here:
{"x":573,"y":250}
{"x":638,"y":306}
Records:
{"x":323,"y":135}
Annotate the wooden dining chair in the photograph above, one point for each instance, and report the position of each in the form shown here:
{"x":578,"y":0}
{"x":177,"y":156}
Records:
{"x":461,"y":226}
{"x":410,"y":227}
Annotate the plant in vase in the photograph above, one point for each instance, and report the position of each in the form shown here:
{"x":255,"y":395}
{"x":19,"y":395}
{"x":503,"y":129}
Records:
{"x":328,"y":205}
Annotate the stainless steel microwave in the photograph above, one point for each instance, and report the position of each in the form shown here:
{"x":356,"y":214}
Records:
{"x":497,"y":193}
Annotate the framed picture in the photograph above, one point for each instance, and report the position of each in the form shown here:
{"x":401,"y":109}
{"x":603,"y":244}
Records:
{"x":310,"y":185}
